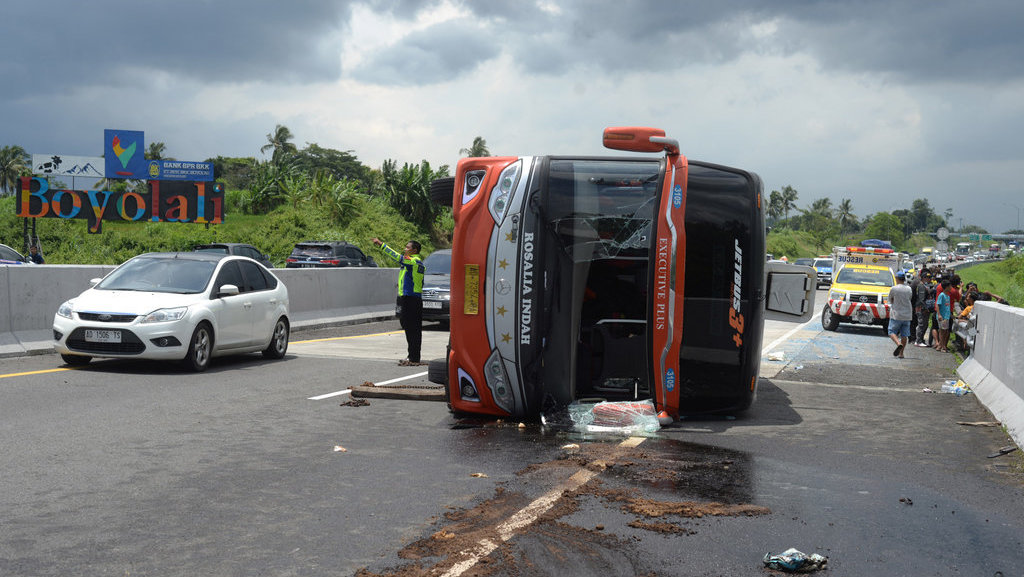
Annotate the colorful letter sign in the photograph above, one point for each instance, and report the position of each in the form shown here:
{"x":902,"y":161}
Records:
{"x":170,"y":201}
{"x":124,"y":151}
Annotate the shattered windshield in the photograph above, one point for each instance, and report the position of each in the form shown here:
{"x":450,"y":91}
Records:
{"x":602,"y":209}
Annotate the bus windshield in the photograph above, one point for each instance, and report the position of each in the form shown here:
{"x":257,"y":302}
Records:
{"x":602,"y":209}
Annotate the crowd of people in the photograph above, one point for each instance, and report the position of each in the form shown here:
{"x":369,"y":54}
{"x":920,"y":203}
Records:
{"x":939,"y":300}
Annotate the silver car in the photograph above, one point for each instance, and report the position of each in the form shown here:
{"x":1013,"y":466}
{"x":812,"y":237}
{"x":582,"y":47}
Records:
{"x":187,"y":307}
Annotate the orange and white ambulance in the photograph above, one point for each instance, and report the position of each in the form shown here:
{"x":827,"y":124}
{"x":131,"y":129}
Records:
{"x":613,"y":278}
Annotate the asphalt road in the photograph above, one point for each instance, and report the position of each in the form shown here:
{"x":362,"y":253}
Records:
{"x":129,"y":468}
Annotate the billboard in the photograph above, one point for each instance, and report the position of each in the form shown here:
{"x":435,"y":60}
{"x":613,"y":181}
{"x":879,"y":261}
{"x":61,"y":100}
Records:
{"x":180,"y":170}
{"x":66,"y":165}
{"x":164,"y":201}
{"x":124,"y":152}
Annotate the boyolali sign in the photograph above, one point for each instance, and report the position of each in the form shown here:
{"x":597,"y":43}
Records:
{"x":164,"y":201}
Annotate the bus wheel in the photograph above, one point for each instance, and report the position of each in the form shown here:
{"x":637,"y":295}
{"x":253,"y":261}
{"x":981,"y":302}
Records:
{"x":829,"y":320}
{"x":442,"y":190}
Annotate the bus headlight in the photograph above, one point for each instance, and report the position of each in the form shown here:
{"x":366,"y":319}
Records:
{"x":498,"y":382}
{"x":501,"y":194}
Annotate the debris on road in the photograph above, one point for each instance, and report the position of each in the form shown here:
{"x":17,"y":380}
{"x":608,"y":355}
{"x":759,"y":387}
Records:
{"x":340,"y":449}
{"x":958,"y":388}
{"x":794,"y":561}
{"x":906,"y":501}
{"x":479,"y":475}
{"x":777,"y":356}
{"x":620,"y":417}
{"x":1004,"y":451}
{"x":979,"y":423}
{"x":355,"y":403}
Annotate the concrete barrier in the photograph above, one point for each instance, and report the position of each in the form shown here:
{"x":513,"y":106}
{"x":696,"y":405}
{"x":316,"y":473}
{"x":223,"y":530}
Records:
{"x":30,"y":295}
{"x":995,"y":369}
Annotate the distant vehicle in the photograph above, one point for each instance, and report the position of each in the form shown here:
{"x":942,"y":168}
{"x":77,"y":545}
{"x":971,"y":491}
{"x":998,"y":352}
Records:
{"x":437,"y":286}
{"x":804,"y":262}
{"x":328,"y":253}
{"x":179,"y":306}
{"x":963,"y":249}
{"x":10,"y":256}
{"x":824,"y":268}
{"x":862,"y":277}
{"x":236,"y":248}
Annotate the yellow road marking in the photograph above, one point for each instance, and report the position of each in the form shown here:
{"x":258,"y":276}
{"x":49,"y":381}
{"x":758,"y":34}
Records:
{"x":43,"y":372}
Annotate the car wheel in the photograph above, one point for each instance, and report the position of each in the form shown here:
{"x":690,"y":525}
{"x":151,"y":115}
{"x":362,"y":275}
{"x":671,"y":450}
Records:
{"x":442,"y":190}
{"x":829,"y":320}
{"x":75,"y":360}
{"x":279,"y":342}
{"x":200,"y":348}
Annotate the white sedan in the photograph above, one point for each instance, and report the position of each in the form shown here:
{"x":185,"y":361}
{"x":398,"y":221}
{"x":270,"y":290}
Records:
{"x":188,"y":307}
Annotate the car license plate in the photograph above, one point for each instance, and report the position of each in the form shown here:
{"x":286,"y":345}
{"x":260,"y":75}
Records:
{"x":95,"y":336}
{"x":431,"y":304}
{"x":308,"y":265}
{"x":471,"y":293}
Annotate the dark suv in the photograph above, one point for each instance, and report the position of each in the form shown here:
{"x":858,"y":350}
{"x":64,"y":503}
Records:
{"x":327,"y":253}
{"x":236,"y":248}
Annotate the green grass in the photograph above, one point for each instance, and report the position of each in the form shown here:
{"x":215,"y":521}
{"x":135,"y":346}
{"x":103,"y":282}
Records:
{"x":1004,"y":278}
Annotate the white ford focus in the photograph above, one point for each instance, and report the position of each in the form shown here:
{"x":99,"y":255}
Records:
{"x":185,"y":306}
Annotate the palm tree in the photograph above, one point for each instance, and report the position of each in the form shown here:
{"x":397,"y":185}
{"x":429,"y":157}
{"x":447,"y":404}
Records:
{"x":14,"y":163}
{"x":478,"y":149}
{"x":278,"y":142}
{"x":789,"y":195}
{"x":775,"y":206}
{"x":845,"y":215}
{"x":156,"y":150}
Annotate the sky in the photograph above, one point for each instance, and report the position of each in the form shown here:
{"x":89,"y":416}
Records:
{"x":878,"y":101}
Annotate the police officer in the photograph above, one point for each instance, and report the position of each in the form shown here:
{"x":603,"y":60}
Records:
{"x":410,"y":296}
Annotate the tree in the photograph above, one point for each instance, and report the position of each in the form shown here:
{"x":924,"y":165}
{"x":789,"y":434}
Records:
{"x":156,"y":150}
{"x":845,"y":216}
{"x":789,"y":195}
{"x":408,"y":191}
{"x":478,"y":149}
{"x":278,"y":142}
{"x":885,"y":226}
{"x":14,"y":163}
{"x":340,"y":164}
{"x":775,"y":206}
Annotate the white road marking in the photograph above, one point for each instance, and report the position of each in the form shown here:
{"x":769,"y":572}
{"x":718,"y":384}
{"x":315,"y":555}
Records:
{"x":529,"y":514}
{"x":336,"y":393}
{"x":784,"y":337}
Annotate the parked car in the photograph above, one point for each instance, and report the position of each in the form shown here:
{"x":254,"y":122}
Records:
{"x":804,"y":262}
{"x":185,"y":306}
{"x":437,"y":288}
{"x":823,"y":266}
{"x":10,"y":256}
{"x":327,"y":253}
{"x":236,"y":248}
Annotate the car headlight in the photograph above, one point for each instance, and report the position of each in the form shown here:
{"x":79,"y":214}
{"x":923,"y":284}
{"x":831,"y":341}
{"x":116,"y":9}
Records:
{"x":165,"y":315}
{"x":502,"y":193}
{"x":66,"y":310}
{"x":837,"y":295}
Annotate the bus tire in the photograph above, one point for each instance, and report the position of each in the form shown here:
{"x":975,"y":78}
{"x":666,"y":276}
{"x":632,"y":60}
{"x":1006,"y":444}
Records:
{"x":829,"y":320}
{"x":442,"y":190}
{"x":437,"y":371}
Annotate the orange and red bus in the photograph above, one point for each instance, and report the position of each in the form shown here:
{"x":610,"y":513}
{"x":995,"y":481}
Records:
{"x":613,"y":278}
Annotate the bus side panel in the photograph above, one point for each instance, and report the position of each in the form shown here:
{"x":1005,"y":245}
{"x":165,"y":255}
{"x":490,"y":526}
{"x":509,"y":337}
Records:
{"x":470,"y":341}
{"x":669,"y":273}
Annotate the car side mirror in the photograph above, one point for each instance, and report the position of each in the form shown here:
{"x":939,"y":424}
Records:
{"x":227,"y":290}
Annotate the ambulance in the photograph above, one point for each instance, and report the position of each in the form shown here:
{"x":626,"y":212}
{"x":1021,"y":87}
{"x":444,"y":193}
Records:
{"x":621,"y":279}
{"x":861,"y":279}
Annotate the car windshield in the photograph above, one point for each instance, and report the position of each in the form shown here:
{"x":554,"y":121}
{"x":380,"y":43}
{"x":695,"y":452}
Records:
{"x":164,"y":275}
{"x":438,"y":263}
{"x":865,"y":277}
{"x":823,"y":262}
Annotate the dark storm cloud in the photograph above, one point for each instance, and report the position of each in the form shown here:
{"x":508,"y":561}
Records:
{"x":442,"y":52}
{"x":920,"y":41}
{"x":74,"y":43}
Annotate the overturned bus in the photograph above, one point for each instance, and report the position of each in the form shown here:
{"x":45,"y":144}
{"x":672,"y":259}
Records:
{"x":618,"y":278}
